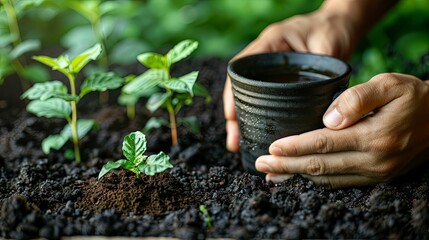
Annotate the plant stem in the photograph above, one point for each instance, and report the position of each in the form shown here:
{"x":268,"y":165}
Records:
{"x":14,"y":30}
{"x":73,"y":124}
{"x":173,"y":125}
{"x":12,"y":20}
{"x":131,"y":111}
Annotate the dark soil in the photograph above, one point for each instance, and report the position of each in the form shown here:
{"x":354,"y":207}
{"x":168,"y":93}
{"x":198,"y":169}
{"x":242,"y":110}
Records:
{"x":49,"y":196}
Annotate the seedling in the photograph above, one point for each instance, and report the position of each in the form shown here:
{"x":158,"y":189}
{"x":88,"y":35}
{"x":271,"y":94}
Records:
{"x":207,"y":218}
{"x":13,"y":47}
{"x":133,"y":148}
{"x":173,"y":92}
{"x":51,"y":99}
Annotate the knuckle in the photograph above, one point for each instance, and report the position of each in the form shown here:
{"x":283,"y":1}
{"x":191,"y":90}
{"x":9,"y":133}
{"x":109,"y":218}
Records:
{"x":272,"y":28}
{"x":323,"y":144}
{"x":315,"y":166}
{"x":385,"y":173}
{"x":355,"y":98}
{"x":405,"y":85}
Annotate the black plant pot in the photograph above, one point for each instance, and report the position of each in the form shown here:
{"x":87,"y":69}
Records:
{"x":282,"y":94}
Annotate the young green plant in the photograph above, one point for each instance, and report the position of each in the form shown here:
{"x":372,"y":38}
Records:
{"x":52,"y":99}
{"x":13,"y":47}
{"x":174,"y":92}
{"x":206,"y":215}
{"x":133,"y":148}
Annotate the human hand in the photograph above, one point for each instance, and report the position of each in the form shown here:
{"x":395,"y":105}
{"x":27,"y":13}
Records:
{"x":375,"y":132}
{"x":321,"y":32}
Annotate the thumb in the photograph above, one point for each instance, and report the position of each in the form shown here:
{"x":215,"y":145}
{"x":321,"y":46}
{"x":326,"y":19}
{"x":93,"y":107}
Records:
{"x":357,"y":102}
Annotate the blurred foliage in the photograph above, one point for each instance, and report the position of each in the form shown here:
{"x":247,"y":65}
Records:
{"x":132,"y":27}
{"x":127,"y":28}
{"x":399,"y":43}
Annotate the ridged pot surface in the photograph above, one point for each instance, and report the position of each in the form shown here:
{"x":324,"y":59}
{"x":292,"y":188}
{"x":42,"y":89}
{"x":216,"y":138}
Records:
{"x":270,"y":109}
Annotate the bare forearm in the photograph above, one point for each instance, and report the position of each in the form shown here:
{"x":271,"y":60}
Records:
{"x":362,"y":14}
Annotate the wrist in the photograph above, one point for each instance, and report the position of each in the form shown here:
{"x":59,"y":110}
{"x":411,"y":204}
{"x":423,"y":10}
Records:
{"x":361,"y":15}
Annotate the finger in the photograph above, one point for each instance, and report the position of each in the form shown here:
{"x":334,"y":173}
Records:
{"x":342,"y":181}
{"x":316,"y":164}
{"x":277,"y":178}
{"x":233,"y":136}
{"x":318,"y":141}
{"x":358,"y":101}
{"x":228,"y":101}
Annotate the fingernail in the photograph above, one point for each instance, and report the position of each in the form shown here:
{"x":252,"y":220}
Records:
{"x":263,"y":167}
{"x":278,"y":178}
{"x":333,"y":118}
{"x":276,"y":151}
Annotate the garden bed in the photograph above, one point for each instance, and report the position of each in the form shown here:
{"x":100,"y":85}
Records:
{"x":49,"y":196}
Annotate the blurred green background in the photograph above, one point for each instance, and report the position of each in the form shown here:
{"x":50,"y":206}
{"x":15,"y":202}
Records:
{"x":223,"y":27}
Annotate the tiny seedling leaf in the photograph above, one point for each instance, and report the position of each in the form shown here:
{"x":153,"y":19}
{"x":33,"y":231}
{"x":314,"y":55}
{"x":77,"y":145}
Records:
{"x":101,"y":82}
{"x":145,"y":81}
{"x":83,"y":127}
{"x":153,"y":60}
{"x":183,"y":84}
{"x":134,"y":146}
{"x":132,"y":98}
{"x":111,"y":165}
{"x":46,"y":90}
{"x":36,"y":73}
{"x":155,"y":164}
{"x":24,"y":47}
{"x":156,"y":101}
{"x":200,"y":91}
{"x":50,"y":108}
{"x":181,"y":51}
{"x":53,"y":142}
{"x":84,"y":58}
{"x":6,"y":39}
{"x":191,"y":123}
{"x":61,"y":63}
{"x":153,"y":123}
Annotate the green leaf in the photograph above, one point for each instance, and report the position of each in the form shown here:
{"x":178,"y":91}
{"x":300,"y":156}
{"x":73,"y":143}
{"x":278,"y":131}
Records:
{"x":6,"y":40}
{"x":109,"y":166}
{"x":128,"y":99}
{"x":153,"y":123}
{"x":53,"y":142}
{"x":101,"y":82}
{"x":156,"y":101}
{"x":43,"y":91}
{"x":84,"y":58}
{"x":153,"y":60}
{"x":50,"y":108}
{"x":83,"y":127}
{"x":155,"y":164}
{"x":183,"y":84}
{"x":200,"y":91}
{"x":191,"y":123}
{"x":89,"y":9}
{"x":126,"y":51}
{"x":69,"y":154}
{"x":134,"y":146}
{"x":132,"y":98}
{"x":24,"y":47}
{"x":145,"y":81}
{"x":61,"y":63}
{"x":36,"y":73}
{"x":181,"y":50}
